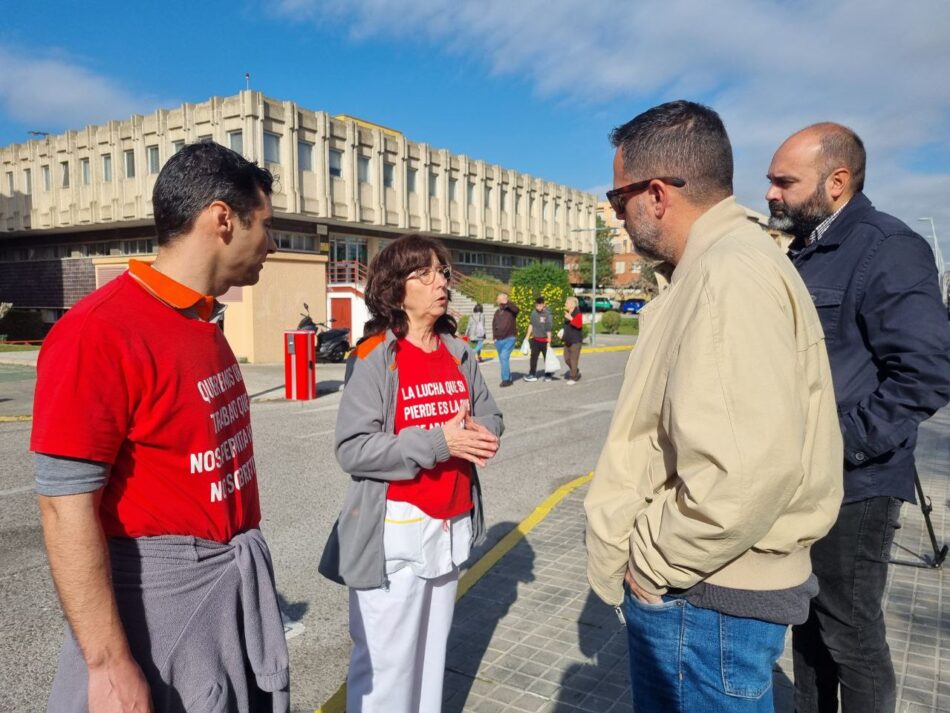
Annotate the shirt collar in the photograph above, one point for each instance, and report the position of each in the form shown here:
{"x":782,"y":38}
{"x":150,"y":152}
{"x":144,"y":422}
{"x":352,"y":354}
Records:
{"x":175,"y":294}
{"x":823,"y":226}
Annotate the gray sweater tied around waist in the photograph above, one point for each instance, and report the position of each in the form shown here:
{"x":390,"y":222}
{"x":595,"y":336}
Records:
{"x":203,"y":621}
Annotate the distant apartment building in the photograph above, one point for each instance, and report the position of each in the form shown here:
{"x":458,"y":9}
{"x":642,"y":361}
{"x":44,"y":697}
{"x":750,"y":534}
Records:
{"x":75,"y":207}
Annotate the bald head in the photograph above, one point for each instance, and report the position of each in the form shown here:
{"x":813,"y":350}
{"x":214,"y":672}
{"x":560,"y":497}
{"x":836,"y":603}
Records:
{"x":813,"y":174}
{"x":833,"y":147}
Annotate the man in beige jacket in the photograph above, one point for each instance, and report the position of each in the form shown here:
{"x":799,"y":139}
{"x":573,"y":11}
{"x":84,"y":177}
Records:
{"x":723,"y":461}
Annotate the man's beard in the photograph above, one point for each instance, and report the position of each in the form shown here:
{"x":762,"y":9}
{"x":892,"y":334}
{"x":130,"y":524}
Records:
{"x":800,"y":220}
{"x":646,"y":238}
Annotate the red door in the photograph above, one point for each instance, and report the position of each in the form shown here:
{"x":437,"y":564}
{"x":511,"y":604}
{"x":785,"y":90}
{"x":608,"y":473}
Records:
{"x":341,"y":310}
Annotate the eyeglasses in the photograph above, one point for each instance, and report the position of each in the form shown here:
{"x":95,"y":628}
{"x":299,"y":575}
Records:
{"x":426,"y":275}
{"x":618,"y":197}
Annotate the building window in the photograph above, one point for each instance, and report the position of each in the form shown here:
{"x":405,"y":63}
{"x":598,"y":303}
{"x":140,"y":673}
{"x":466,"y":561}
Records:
{"x":27,"y":181}
{"x":205,"y":139}
{"x":411,"y":180}
{"x":453,"y":190}
{"x":177,"y":146}
{"x":151,"y":155}
{"x":46,"y":178}
{"x":504,"y":201}
{"x":544,"y":211}
{"x":433,"y":183}
{"x":129,"y":157}
{"x":304,"y":156}
{"x":336,"y":163}
{"x":84,"y":171}
{"x":389,"y":175}
{"x":362,"y":169}
{"x":10,"y":182}
{"x":295,"y":242}
{"x":271,"y":147}
{"x":487,"y":197}
{"x":471,"y":193}
{"x":142,"y":246}
{"x":64,"y":173}
{"x":107,"y":167}
{"x":557,"y":212}
{"x":619,"y":267}
{"x":236,"y":141}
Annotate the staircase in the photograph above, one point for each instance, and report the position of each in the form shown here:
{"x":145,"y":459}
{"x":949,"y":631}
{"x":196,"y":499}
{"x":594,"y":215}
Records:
{"x":465,"y":306}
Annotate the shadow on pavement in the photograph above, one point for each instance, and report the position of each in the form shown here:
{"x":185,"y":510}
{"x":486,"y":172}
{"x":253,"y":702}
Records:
{"x":478,"y":614}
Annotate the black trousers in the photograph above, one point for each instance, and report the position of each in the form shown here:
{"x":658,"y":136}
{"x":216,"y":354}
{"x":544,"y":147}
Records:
{"x":843,"y":642}
{"x":537,"y":348}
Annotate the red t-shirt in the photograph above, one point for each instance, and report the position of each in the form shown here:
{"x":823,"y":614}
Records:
{"x":431,"y":386}
{"x":126,"y":379}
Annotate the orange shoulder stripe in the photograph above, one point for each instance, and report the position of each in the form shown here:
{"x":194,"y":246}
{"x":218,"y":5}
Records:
{"x":369,"y":344}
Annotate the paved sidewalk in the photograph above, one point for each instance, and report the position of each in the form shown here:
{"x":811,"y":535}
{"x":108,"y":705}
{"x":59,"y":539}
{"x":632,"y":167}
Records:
{"x":530,"y":636}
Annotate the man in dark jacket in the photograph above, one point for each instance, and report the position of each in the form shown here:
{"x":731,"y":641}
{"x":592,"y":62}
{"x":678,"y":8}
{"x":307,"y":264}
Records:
{"x":503,"y":333}
{"x":875,"y":285}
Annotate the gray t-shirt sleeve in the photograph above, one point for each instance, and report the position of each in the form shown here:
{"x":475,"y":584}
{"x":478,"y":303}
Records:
{"x":56,"y":475}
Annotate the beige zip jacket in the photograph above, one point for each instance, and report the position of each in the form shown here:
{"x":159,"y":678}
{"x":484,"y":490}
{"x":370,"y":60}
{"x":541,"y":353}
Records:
{"x":723,"y":462}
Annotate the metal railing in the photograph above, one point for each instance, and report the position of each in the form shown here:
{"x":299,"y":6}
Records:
{"x":346,"y":272}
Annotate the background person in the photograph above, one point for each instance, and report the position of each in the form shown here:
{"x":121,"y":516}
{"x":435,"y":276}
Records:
{"x":722,"y":462}
{"x":539,"y":336}
{"x":504,"y":330}
{"x":415,"y":419}
{"x":573,"y":336}
{"x":145,"y":466}
{"x":475,"y":331}
{"x":875,"y":284}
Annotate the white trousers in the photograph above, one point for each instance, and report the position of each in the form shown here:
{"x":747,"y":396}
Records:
{"x":400,"y":636}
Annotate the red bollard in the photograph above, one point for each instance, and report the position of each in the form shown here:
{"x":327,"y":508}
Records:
{"x":300,"y":376}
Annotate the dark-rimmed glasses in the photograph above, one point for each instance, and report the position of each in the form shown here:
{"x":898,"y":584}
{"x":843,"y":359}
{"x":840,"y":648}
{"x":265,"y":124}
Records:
{"x":426,"y":275}
{"x":618,"y":197}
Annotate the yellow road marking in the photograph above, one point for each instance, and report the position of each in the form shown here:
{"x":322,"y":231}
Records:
{"x":337,"y":702}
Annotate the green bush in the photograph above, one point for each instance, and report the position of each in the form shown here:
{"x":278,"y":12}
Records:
{"x":547,"y":280}
{"x":463,"y":325}
{"x":20,"y":324}
{"x":610,"y":322}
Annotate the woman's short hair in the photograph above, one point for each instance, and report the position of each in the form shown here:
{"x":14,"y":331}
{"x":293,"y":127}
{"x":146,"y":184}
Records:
{"x":478,"y":308}
{"x":386,"y":283}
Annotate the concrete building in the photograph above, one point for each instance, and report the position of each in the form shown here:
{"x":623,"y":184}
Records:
{"x":74,"y":207}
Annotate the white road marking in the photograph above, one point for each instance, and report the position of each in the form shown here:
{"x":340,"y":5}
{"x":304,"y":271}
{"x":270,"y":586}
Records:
{"x":16,"y":491}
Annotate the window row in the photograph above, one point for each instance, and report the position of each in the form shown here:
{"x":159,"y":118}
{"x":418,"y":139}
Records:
{"x":139,"y":246}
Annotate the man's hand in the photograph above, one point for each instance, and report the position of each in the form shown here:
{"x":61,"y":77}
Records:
{"x":119,"y":687}
{"x":502,"y":300}
{"x":468,"y":439}
{"x":640,"y":593}
{"x":79,"y":563}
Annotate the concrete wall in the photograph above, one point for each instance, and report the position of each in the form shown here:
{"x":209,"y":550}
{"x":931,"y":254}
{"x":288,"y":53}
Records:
{"x":505,"y":207}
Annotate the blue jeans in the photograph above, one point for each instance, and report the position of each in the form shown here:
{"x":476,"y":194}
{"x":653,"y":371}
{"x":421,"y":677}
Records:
{"x":844,"y":643}
{"x":505,"y":347}
{"x":684,"y":659}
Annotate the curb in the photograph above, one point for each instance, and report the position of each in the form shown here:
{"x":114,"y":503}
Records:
{"x":560,"y":350}
{"x":337,"y":702}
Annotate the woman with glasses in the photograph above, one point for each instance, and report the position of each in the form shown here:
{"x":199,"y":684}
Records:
{"x":415,"y":420}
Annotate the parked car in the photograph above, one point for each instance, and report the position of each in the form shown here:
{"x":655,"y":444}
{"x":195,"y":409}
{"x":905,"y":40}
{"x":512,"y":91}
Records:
{"x":632,"y":306}
{"x":603,"y":304}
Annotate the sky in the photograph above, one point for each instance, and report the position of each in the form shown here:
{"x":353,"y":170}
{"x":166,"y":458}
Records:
{"x":532,"y":85}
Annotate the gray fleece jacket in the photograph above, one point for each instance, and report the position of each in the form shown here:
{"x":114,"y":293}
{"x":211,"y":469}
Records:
{"x":368,"y":448}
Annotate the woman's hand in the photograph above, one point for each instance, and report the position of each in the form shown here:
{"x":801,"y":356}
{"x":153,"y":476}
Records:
{"x":468,"y":439}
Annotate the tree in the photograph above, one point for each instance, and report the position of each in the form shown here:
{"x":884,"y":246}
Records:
{"x":647,"y":280}
{"x":540,"y":278}
{"x":605,"y":258}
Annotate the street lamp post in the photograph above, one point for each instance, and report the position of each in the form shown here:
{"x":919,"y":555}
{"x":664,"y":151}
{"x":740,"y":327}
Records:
{"x":593,"y":279}
{"x":938,"y":258}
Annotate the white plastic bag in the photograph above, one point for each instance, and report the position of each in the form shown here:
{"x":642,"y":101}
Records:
{"x":525,"y":348}
{"x":552,"y":364}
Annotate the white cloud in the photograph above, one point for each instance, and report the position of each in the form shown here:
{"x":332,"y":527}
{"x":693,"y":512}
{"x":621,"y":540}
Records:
{"x":53,"y":93}
{"x":769,"y":67}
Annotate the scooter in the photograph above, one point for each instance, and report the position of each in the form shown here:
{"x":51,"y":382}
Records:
{"x":332,"y":344}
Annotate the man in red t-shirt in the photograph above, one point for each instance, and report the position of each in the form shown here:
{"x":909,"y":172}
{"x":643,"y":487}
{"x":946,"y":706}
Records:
{"x":145,"y":466}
